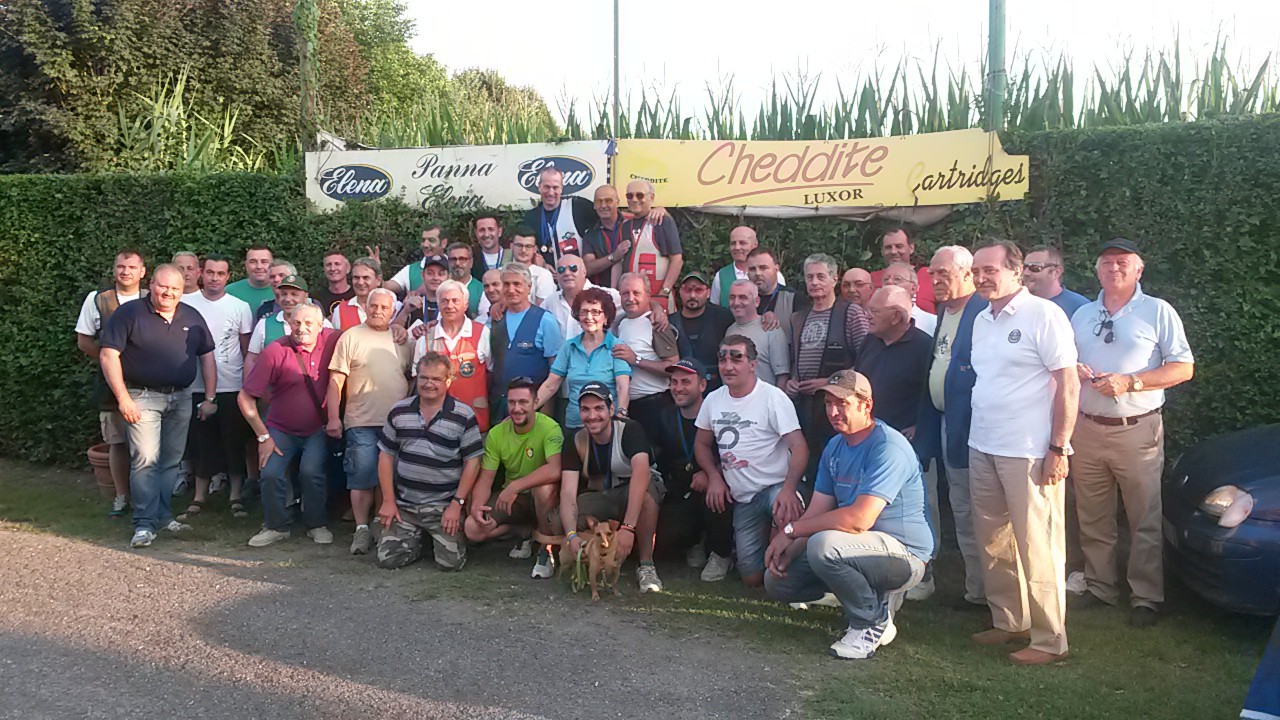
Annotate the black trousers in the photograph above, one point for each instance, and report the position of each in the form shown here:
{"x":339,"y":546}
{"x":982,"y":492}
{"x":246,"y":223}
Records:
{"x":684,"y":520}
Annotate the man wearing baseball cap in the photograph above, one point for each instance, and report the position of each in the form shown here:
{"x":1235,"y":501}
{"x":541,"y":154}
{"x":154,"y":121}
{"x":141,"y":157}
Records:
{"x":686,"y":523}
{"x":1132,"y":347}
{"x":420,"y":304}
{"x":700,"y":325}
{"x":608,"y":475}
{"x":865,"y":536}
{"x":290,"y":292}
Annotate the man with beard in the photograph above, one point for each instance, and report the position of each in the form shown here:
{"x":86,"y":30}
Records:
{"x":700,"y":325}
{"x":778,"y":303}
{"x":460,"y":262}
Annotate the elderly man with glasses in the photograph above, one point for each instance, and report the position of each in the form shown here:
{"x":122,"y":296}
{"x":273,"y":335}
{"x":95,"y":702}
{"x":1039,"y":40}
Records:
{"x":1132,"y":348}
{"x":1042,"y":274}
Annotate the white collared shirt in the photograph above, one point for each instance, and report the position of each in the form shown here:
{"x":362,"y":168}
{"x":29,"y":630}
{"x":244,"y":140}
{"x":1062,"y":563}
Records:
{"x":1014,"y":356}
{"x":438,"y":334}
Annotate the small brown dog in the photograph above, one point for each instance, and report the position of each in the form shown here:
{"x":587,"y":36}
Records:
{"x":602,"y":555}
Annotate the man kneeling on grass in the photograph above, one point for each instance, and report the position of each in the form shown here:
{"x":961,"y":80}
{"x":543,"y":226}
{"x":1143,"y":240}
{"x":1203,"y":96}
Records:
{"x":865,"y":536}
{"x":428,"y":460}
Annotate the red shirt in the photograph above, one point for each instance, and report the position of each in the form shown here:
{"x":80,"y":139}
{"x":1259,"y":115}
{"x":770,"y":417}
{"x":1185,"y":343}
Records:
{"x":292,"y":408}
{"x":924,"y":294}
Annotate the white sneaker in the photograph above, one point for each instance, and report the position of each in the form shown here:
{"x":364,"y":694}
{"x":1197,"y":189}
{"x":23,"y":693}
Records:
{"x":176,"y":527}
{"x":361,"y":540}
{"x":267,"y":536}
{"x":890,"y":632}
{"x":922,"y":590}
{"x":717,"y":568}
{"x":545,"y":566}
{"x":857,"y":644}
{"x":827,"y":600}
{"x":1076,"y":584}
{"x":321,"y":535}
{"x":523,"y":550}
{"x":647,"y":576}
{"x":696,"y":556}
{"x":142,"y":538}
{"x":118,"y":506}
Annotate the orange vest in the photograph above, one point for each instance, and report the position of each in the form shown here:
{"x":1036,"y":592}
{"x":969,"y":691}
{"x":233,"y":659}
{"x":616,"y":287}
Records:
{"x":470,"y":376}
{"x":348,"y":316}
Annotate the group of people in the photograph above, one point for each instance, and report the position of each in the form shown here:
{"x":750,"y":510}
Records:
{"x":510,"y":387}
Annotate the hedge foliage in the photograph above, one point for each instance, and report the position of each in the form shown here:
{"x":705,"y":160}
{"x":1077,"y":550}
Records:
{"x":1201,"y":198}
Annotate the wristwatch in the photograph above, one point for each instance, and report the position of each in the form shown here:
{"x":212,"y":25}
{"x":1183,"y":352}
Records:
{"x":462,"y":502}
{"x":789,"y":530}
{"x":1135,"y":383}
{"x":1064,"y":450}
{"x":264,"y":437}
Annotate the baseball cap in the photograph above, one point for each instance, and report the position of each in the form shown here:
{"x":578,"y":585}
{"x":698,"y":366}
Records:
{"x":598,"y":389}
{"x":695,"y":275}
{"x":440,"y":260}
{"x":295,"y":282}
{"x":1119,"y":244}
{"x":690,"y":365}
{"x":848,"y":382}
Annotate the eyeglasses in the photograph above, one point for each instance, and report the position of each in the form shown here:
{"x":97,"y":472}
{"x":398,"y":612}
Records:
{"x":1039,"y":267}
{"x":735,"y":355}
{"x":1107,"y":325}
{"x":570,"y":268}
{"x":637,"y":196}
{"x":584,"y":312}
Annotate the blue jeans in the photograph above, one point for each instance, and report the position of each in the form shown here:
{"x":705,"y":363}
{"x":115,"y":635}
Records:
{"x":868,"y":572}
{"x":156,"y":444}
{"x":751,"y":523}
{"x":311,"y":477}
{"x":361,"y":459}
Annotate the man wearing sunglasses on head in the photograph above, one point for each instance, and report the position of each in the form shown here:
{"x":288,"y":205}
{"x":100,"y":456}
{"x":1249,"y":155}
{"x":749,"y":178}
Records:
{"x":1042,"y":274}
{"x":572,"y":274}
{"x":1132,"y":347}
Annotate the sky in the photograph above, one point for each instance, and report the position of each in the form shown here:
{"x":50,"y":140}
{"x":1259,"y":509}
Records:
{"x":565,"y":49}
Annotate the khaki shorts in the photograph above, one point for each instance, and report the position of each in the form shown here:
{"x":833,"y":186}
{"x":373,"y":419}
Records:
{"x":611,"y":504}
{"x":111,"y":422}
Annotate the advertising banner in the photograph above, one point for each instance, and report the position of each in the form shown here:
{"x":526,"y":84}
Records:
{"x":462,"y":177}
{"x":944,"y":168}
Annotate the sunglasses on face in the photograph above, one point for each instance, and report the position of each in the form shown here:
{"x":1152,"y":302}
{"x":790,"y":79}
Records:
{"x":1108,"y":326}
{"x":573,"y":268}
{"x":1039,"y":267}
{"x":637,"y":196}
{"x":735,"y":355}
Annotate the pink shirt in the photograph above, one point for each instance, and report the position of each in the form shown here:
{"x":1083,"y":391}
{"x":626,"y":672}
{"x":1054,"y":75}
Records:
{"x":292,"y":408}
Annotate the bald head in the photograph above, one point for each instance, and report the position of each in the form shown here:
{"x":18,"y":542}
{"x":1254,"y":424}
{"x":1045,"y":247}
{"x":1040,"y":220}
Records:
{"x":890,"y":309}
{"x":640,"y":197}
{"x":606,"y":202}
{"x":742,"y":240}
{"x":855,"y":286}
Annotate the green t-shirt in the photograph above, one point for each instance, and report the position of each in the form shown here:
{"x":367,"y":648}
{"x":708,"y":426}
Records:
{"x":254,"y":296}
{"x":521,"y":454}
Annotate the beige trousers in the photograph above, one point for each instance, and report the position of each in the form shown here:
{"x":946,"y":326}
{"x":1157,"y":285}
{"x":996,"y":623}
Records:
{"x":1022,"y":545}
{"x":1128,"y":458}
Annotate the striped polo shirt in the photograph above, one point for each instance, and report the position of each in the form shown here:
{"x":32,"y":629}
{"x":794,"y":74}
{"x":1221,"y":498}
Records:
{"x":429,"y":455}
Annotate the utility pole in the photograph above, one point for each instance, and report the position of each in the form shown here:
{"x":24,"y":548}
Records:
{"x":306,"y":18}
{"x":996,"y":76}
{"x":616,"y":82}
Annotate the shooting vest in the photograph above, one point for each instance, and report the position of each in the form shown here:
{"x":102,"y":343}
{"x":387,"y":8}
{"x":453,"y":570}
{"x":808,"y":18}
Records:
{"x":107,"y":302}
{"x":727,"y":276}
{"x":273,"y":328}
{"x":558,"y":233}
{"x":810,"y":409}
{"x":647,"y":259}
{"x":470,"y":376}
{"x":349,"y":316}
{"x":517,"y":357}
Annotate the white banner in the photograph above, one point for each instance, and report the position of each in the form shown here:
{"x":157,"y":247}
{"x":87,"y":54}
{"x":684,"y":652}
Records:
{"x":464,"y":177}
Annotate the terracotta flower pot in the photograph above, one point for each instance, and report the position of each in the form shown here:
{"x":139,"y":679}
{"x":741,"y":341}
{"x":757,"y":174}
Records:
{"x":100,"y":459}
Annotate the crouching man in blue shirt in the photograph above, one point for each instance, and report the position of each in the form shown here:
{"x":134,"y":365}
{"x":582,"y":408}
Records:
{"x":865,"y":536}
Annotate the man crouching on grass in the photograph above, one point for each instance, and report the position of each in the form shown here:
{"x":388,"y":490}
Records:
{"x":428,"y":460}
{"x":865,"y":536}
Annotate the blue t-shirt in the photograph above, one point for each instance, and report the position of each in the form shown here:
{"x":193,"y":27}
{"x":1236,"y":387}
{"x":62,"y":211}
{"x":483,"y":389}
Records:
{"x":1070,"y":301}
{"x":578,"y":368}
{"x":884,"y":466}
{"x":548,"y":337}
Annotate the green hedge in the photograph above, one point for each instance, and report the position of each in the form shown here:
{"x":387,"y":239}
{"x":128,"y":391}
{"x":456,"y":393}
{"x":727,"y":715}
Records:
{"x":1202,"y":198}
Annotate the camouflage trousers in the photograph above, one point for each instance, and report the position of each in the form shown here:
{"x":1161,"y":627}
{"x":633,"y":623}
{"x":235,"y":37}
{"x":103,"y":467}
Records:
{"x":402,"y":543}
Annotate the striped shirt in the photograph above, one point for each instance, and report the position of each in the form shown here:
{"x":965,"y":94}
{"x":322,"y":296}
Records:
{"x":429,"y":455}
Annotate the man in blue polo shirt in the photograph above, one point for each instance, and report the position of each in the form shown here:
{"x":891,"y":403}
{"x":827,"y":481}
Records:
{"x":149,"y":353}
{"x":524,"y":341}
{"x":865,"y":536}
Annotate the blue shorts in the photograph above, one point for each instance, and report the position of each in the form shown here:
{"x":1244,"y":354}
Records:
{"x":361,"y":459}
{"x":752,"y":524}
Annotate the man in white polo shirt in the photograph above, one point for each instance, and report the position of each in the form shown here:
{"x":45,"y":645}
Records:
{"x":1132,"y":347}
{"x":1024,"y":408}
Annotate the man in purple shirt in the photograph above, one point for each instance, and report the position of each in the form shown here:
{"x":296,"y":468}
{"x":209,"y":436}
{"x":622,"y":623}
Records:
{"x":295,"y":371}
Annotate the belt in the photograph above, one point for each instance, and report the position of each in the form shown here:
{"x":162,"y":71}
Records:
{"x":166,"y":389}
{"x":1119,"y":421}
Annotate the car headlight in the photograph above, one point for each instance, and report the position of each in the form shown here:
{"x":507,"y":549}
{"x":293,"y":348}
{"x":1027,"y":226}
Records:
{"x":1229,"y":504}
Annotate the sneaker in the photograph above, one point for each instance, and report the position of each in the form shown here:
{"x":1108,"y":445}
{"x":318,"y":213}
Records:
{"x":717,"y":568}
{"x":827,"y":600}
{"x":523,"y":550}
{"x":545,"y":566}
{"x":922,"y":590}
{"x":142,"y":538}
{"x":361,"y":541}
{"x":182,"y":486}
{"x":176,"y":527}
{"x":696,"y":556}
{"x":119,"y":506}
{"x":267,"y":536}
{"x":647,"y":576}
{"x":889,"y":633}
{"x":1076,"y":584}
{"x":857,"y":644}
{"x":321,"y":535}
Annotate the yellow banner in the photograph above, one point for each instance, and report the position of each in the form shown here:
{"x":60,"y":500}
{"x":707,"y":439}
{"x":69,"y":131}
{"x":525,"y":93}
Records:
{"x":962,"y":166}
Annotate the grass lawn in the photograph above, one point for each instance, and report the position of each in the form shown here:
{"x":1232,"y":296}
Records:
{"x":1197,"y":663}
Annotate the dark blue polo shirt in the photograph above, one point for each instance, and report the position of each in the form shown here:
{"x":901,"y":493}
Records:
{"x":155,"y":352}
{"x":898,"y":374}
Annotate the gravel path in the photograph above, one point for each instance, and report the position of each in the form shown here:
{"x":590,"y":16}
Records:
{"x":88,"y":631}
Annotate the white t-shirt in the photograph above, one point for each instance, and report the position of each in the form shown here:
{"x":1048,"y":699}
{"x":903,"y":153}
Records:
{"x":437,"y":335}
{"x":544,"y":286}
{"x":402,"y":278}
{"x":926,"y":321}
{"x":748,"y":433}
{"x":90,"y":321}
{"x":258,"y":339}
{"x":1013,"y":356}
{"x":228,"y":318}
{"x":563,"y":312}
{"x":637,"y":333}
